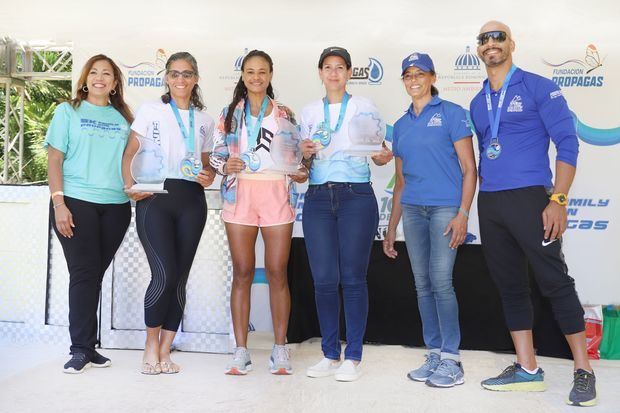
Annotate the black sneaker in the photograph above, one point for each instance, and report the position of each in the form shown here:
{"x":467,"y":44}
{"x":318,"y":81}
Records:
{"x":583,"y":392}
{"x":99,"y":361}
{"x":78,"y":363}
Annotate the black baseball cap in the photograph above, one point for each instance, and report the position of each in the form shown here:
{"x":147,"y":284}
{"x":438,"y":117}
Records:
{"x":335,"y":51}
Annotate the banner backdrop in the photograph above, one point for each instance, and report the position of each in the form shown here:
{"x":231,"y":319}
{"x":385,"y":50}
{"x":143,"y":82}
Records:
{"x":571,"y":43}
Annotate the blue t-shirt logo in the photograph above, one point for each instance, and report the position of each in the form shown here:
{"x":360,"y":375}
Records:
{"x":435,"y":120}
{"x":516,"y":104}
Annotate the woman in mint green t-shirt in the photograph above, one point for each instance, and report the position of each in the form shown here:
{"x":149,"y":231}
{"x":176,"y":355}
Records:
{"x":89,"y":210}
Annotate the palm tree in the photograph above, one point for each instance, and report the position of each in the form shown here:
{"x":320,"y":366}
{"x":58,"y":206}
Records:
{"x":41,"y":99}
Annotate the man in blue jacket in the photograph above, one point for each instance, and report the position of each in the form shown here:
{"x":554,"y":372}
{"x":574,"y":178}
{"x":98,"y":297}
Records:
{"x":522,"y":213}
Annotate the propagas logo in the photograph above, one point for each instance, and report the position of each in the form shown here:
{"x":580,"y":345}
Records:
{"x":576,"y":72}
{"x":372,"y":74}
{"x":147,"y":73}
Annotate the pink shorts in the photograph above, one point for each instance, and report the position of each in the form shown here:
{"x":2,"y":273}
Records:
{"x":262,"y":201}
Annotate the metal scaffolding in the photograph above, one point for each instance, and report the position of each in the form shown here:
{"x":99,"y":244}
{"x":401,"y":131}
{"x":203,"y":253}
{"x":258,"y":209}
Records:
{"x":20,"y":64}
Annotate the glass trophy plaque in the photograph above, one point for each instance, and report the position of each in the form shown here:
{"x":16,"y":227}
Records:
{"x":285,"y":150}
{"x":366,"y":134}
{"x":148,"y":167}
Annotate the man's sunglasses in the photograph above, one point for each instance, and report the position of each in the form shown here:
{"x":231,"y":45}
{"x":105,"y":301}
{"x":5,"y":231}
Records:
{"x":497,"y":36}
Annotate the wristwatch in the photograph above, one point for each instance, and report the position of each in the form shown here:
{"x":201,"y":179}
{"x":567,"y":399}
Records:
{"x":560,"y":198}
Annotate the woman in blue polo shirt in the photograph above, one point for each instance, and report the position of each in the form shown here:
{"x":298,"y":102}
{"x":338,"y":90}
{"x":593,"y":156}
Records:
{"x":435,"y":185}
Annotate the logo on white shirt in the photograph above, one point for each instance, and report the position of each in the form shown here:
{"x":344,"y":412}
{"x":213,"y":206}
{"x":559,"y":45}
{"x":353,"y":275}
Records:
{"x":435,"y":120}
{"x":516,"y":104}
{"x":264,"y":139}
{"x":156,"y":132}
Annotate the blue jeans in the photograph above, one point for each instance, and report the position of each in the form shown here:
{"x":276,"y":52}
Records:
{"x":340,"y":222}
{"x":432,"y":262}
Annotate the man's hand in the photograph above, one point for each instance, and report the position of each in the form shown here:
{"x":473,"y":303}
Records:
{"x":554,"y":220}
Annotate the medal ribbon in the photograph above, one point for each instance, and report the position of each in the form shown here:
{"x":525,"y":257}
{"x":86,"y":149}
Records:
{"x":494,"y":118}
{"x":343,"y":109}
{"x":253,"y":130}
{"x":188,"y":138}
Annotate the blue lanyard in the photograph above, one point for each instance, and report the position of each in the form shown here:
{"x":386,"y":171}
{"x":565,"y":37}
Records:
{"x":494,"y":118}
{"x":189,"y":139}
{"x":343,"y":109}
{"x":252,"y":130}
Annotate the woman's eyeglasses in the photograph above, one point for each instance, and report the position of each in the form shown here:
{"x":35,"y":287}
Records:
{"x":187,"y":74}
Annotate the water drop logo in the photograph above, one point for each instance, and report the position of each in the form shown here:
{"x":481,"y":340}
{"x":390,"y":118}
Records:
{"x":375,"y":72}
{"x":367,"y":75}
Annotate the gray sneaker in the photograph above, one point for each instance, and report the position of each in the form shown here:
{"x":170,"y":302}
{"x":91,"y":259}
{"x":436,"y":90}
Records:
{"x":583,"y":392}
{"x":449,"y":373}
{"x":240,"y":363}
{"x":279,"y":362}
{"x":427,"y":369}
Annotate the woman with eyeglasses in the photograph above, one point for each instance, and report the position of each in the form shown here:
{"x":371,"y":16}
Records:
{"x":89,"y":211}
{"x":340,"y":214}
{"x":435,"y":185}
{"x":170,"y":225}
{"x":256,"y":197}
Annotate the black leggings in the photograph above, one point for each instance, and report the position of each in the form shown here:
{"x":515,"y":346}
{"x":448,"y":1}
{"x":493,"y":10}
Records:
{"x":99,"y":231}
{"x":511,"y":230}
{"x":170,"y":226}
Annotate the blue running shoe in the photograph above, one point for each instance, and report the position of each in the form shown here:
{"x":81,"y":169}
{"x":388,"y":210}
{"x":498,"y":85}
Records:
{"x":427,"y":369}
{"x":583,"y":392}
{"x":514,"y":378}
{"x":449,"y":373}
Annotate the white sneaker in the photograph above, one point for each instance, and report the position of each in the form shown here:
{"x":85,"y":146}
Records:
{"x":323,"y":368}
{"x":348,"y":371}
{"x":240,"y":364}
{"x":280,"y":362}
